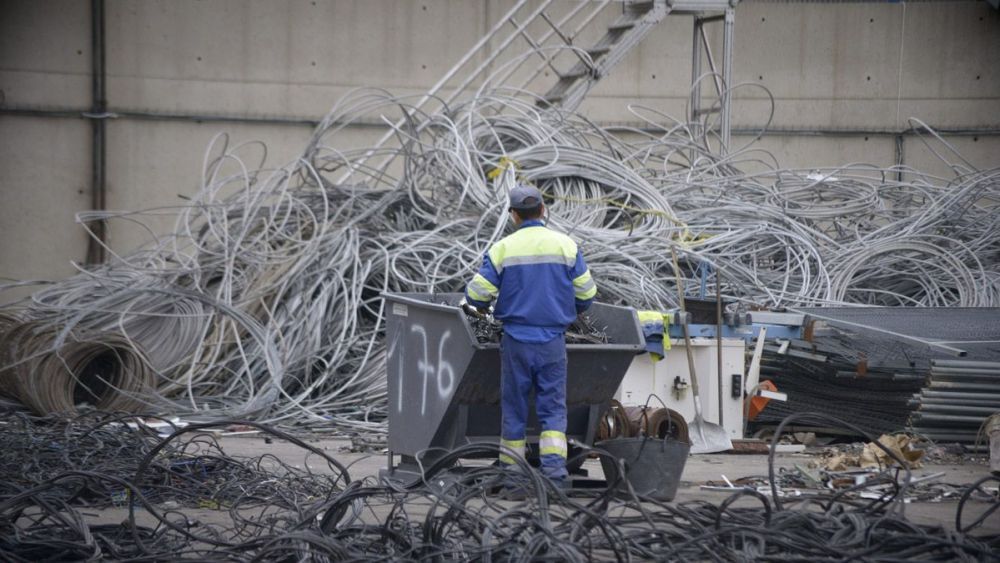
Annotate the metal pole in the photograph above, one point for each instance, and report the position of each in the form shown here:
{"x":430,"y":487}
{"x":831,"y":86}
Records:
{"x":95,"y":245}
{"x":718,"y":337}
{"x":900,"y":156}
{"x":695,"y":72}
{"x":695,"y":85}
{"x":716,"y":79}
{"x":727,"y":76}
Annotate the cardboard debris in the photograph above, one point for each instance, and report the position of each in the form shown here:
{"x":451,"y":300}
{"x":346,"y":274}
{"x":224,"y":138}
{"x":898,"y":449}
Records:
{"x":874,"y":456}
{"x":840,"y":462}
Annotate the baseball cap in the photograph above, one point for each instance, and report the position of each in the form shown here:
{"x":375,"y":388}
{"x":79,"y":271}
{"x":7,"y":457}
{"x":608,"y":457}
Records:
{"x":525,"y":197}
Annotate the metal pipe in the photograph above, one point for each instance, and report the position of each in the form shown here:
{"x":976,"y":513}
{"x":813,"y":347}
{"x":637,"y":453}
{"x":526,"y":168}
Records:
{"x":83,"y":113}
{"x":969,"y":379}
{"x":695,"y":72}
{"x":718,"y":338}
{"x":948,"y":418}
{"x":938,"y":370}
{"x":958,"y":396}
{"x":947,"y":363}
{"x":141,"y":115}
{"x":990,"y":402}
{"x":727,"y":77}
{"x":993,"y":130}
{"x":938,"y":385}
{"x":711,"y":19}
{"x":98,"y":183}
{"x":958,"y":372}
{"x":900,"y":160}
{"x":719,"y":88}
{"x":695,"y":101}
{"x":958,"y":410}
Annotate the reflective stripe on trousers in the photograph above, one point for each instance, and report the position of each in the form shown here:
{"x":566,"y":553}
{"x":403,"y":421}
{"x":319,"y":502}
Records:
{"x":552,"y":442}
{"x":516,"y":446}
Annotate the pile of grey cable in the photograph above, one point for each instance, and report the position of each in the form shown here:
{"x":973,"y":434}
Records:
{"x":264,"y":302}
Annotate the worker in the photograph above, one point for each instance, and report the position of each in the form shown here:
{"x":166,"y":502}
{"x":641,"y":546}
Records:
{"x":540,"y":283}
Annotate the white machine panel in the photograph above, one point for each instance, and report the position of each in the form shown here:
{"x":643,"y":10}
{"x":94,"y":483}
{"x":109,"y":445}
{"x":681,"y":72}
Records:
{"x":645,"y":377}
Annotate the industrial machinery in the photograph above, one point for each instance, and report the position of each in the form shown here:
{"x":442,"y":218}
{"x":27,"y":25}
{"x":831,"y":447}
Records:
{"x":444,"y":385}
{"x":669,"y":378}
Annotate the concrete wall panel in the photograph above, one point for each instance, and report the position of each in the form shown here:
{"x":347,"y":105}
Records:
{"x":960,"y":155}
{"x":280,"y":58}
{"x":44,"y":176}
{"x":830,"y":65}
{"x":840,"y":65}
{"x":815,"y":152}
{"x":951,"y":51}
{"x":158,"y":164}
{"x":819,"y":51}
{"x":45,"y":53}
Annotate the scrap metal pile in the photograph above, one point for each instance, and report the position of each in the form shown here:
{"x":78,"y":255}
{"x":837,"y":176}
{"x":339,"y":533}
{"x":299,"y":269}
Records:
{"x":868,"y":380}
{"x":264,"y":301}
{"x":143,"y":497}
{"x":933,"y":372}
{"x":581,"y":331}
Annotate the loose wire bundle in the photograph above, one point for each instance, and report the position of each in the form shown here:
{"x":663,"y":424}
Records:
{"x":186,"y":499}
{"x":264,"y":302}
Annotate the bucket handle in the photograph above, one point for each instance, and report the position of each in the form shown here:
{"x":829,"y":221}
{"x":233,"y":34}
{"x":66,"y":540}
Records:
{"x":644,"y":415}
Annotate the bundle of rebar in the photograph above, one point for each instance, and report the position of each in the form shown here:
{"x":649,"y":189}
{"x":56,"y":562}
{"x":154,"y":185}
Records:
{"x":265,"y":302}
{"x":860,"y":378}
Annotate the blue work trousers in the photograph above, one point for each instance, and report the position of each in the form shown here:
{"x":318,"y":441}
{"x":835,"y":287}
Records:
{"x":542,"y":367}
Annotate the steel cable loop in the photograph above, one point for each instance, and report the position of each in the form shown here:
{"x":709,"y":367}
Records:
{"x":104,"y":370}
{"x":129,"y":465}
{"x":8,"y":321}
{"x":977,"y":487}
{"x":264,"y":301}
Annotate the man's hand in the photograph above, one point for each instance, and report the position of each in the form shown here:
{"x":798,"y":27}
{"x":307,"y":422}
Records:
{"x":474,"y":311}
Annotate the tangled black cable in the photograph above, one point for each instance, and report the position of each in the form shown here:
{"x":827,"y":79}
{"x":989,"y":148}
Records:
{"x":187,"y":499}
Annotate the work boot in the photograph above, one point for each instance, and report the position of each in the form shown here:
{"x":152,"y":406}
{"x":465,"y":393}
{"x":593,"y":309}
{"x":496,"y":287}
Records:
{"x":563,"y":485}
{"x":516,"y":487}
{"x":513,"y":493}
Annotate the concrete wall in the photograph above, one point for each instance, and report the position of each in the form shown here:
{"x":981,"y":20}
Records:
{"x":854,"y":70}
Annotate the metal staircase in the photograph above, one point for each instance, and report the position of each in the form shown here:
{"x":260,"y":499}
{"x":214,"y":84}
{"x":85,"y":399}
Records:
{"x":548,"y":33}
{"x":636,"y":21}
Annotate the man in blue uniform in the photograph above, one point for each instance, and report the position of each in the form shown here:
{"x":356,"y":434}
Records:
{"x":540,"y":283}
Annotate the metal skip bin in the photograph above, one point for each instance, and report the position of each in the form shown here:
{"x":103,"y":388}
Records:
{"x":444,"y":385}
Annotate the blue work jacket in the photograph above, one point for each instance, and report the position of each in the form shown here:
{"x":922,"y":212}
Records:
{"x":539,"y":280}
